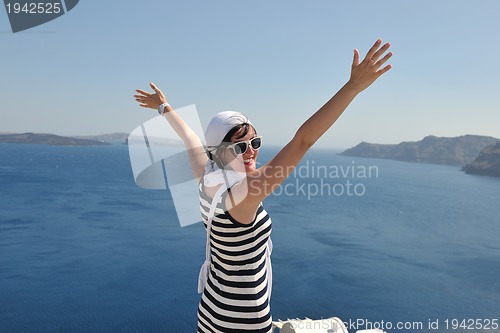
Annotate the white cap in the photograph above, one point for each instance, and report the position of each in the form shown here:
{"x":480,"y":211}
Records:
{"x":221,"y":124}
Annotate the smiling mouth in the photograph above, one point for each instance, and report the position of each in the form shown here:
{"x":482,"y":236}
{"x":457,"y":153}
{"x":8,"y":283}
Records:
{"x":248,"y":161}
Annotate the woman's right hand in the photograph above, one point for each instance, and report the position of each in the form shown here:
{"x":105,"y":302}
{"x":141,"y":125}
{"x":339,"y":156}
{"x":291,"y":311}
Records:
{"x":148,"y":100}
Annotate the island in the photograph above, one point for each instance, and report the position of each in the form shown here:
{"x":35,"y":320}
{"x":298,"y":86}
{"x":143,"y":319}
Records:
{"x":48,"y":139}
{"x":459,"y":151}
{"x":487,"y":163}
{"x":89,"y":140}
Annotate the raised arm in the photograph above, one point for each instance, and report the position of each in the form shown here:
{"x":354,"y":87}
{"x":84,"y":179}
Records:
{"x":263,"y":181}
{"x":192,"y":142}
{"x":362,"y":76}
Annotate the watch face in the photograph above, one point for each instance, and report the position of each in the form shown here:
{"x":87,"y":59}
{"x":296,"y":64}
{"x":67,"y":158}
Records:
{"x":161,"y":108}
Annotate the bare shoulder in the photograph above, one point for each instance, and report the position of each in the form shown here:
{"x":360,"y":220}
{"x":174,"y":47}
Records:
{"x":243,"y":211}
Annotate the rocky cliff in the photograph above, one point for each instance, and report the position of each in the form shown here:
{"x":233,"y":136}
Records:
{"x":458,"y":151}
{"x":487,"y":163}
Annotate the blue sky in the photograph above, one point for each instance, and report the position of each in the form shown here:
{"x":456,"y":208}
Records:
{"x":276,"y":61}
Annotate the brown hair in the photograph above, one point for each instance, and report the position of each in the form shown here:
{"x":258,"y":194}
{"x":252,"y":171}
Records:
{"x":235,"y":129}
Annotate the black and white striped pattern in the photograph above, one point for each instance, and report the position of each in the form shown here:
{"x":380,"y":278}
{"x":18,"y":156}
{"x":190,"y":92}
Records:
{"x":236,"y":296}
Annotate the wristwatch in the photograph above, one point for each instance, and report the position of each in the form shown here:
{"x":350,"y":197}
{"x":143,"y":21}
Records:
{"x":161,"y":108}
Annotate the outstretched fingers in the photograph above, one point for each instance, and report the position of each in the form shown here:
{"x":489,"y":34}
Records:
{"x":383,"y":70}
{"x":364,"y":73}
{"x":142,"y":101}
{"x":157,"y":91}
{"x":145,"y":93}
{"x":382,"y":61}
{"x":142,"y":98}
{"x":380,"y":52}
{"x":371,"y":52}
{"x":150,"y":100}
{"x":153,"y":87}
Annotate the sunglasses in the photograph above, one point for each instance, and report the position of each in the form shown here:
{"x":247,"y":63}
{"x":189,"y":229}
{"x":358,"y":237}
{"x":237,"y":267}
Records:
{"x":241,"y":147}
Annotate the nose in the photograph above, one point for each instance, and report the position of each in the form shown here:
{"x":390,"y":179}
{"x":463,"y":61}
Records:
{"x":250,"y":150}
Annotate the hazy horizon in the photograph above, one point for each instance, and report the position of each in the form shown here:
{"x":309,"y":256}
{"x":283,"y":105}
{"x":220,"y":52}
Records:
{"x":275,"y":62}
{"x":274,"y":146}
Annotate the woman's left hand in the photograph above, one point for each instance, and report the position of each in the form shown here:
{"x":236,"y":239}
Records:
{"x":365,"y":73}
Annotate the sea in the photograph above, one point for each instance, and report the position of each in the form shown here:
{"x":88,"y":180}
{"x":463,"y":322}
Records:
{"x":404,"y":247}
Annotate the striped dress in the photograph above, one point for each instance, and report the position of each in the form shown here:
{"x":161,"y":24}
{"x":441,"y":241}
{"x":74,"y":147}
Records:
{"x":236,"y":297}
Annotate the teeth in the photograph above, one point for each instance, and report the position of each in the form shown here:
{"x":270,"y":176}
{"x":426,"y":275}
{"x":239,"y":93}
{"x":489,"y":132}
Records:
{"x":247,"y":161}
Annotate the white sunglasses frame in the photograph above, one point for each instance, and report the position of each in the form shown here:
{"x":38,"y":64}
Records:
{"x":248,"y":144}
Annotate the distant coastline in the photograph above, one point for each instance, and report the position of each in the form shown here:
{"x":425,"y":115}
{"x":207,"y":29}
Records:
{"x":469,"y":152}
{"x":49,"y":139}
{"x":475,"y":154}
{"x":88,"y":140}
{"x":109,"y":137}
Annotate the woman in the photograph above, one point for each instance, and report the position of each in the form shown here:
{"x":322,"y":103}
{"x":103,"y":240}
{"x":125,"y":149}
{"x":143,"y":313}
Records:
{"x":236,"y":277}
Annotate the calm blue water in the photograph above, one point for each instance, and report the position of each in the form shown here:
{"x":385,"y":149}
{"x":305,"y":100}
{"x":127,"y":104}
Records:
{"x":83,"y":249}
